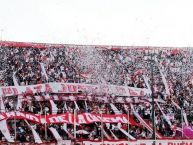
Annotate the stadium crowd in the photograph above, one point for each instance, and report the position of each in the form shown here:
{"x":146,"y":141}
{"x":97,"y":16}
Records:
{"x":92,"y":65}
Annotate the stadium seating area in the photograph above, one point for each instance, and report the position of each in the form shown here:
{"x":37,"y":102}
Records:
{"x":168,"y":71}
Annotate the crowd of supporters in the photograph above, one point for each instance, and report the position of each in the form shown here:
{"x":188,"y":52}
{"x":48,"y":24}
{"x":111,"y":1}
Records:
{"x":93,"y":65}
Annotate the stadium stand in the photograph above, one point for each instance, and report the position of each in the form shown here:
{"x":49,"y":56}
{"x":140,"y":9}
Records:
{"x":56,"y":93}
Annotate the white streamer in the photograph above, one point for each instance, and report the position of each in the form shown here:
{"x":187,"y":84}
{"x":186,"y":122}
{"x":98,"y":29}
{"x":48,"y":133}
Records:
{"x":164,"y":115}
{"x":57,"y":136}
{"x":53,"y":107}
{"x":147,"y":84}
{"x":164,"y":81}
{"x":177,"y":106}
{"x":5,"y":131}
{"x":19,"y":97}
{"x":76,"y":105}
{"x":114,"y":108}
{"x":2,"y":106}
{"x":143,"y":122}
{"x":106,"y":135}
{"x":35,"y":134}
{"x":114,"y":136}
{"x":44,"y":71}
{"x":185,"y":118}
{"x":126,"y":133}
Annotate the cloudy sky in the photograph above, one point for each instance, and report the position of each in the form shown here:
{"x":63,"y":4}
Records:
{"x":103,"y":22}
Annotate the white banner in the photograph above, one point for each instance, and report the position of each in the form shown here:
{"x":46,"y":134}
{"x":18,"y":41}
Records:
{"x":73,"y":88}
{"x":140,"y":142}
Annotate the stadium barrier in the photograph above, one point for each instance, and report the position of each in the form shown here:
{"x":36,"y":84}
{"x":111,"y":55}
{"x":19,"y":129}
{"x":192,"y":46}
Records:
{"x":141,"y":142}
{"x":114,"y":142}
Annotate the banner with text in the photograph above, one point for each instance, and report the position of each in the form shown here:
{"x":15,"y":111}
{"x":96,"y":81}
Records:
{"x":141,"y":142}
{"x":71,"y":88}
{"x":84,"y":118}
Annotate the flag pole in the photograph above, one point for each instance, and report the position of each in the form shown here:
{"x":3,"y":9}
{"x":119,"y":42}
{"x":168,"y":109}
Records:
{"x":153,"y":102}
{"x":102,"y":136}
{"x":45,"y":113}
{"x":75,"y":123}
{"x":182,"y":121}
{"x":15,"y":130}
{"x":15,"y":125}
{"x":128,"y":125}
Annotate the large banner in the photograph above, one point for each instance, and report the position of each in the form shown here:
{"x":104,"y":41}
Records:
{"x":84,"y":118}
{"x":141,"y":142}
{"x":138,"y":142}
{"x":71,"y":88}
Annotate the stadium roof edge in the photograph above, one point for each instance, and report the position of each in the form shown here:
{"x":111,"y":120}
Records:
{"x":112,"y":47}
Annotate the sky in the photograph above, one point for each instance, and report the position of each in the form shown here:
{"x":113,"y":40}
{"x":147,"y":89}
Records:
{"x":98,"y":22}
